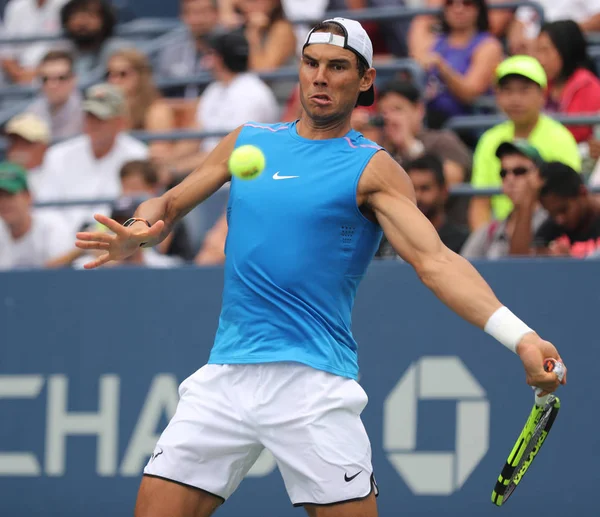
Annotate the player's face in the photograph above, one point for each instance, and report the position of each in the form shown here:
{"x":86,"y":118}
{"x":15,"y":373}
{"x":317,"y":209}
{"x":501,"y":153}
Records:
{"x":13,"y":207}
{"x":430,"y":196}
{"x":330,"y":82}
{"x":564,"y":211}
{"x":521,"y":100}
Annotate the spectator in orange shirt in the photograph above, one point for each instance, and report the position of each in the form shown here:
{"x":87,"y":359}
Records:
{"x":573,"y":86}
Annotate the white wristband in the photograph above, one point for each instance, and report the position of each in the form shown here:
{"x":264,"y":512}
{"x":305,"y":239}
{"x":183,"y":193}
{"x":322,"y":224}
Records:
{"x":504,"y":326}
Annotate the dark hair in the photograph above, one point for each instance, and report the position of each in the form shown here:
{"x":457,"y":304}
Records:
{"x":232,"y":46}
{"x":335,"y":28}
{"x":143,"y":167}
{"x":569,"y":41}
{"x":431,"y":163}
{"x":109,"y":18}
{"x":561,"y":180}
{"x":58,"y":55}
{"x":482,"y":23}
{"x":405,"y":89}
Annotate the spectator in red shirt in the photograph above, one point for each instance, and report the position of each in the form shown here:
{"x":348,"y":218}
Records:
{"x":573,"y":86}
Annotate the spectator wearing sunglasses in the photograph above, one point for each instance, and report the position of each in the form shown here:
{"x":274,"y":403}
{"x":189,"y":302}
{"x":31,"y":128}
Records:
{"x":460,"y":65}
{"x":131,"y":71}
{"x":60,"y":102}
{"x":521,"y":82}
{"x":520,"y":164}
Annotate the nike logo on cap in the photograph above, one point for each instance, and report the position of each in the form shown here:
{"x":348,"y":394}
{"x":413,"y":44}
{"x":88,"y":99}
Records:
{"x":276,"y":176}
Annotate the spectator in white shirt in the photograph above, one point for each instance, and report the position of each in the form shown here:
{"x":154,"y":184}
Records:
{"x":28,"y":139}
{"x":23,"y":18}
{"x":236,"y":96}
{"x":60,"y":101}
{"x":87,"y":166}
{"x":33,"y":240}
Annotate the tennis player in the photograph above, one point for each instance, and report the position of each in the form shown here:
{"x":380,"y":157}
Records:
{"x":282,"y":372}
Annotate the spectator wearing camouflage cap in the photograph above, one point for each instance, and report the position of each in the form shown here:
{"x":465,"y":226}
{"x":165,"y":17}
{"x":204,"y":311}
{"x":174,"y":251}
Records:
{"x":520,"y":164}
{"x":28,"y":139}
{"x":87,"y":166}
{"x":27,"y":239}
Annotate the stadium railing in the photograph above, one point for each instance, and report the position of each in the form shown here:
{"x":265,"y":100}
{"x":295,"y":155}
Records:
{"x":488,"y":121}
{"x":461,"y":190}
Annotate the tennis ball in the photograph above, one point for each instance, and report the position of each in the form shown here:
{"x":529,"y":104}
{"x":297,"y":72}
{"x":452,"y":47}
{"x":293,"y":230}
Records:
{"x":246,"y":162}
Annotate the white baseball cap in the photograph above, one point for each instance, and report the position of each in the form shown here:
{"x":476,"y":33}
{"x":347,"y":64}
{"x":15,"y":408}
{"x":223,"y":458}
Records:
{"x":356,"y":39}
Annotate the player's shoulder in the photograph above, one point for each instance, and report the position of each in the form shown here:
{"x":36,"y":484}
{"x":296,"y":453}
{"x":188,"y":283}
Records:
{"x":383,"y":172}
{"x":358,"y":140}
{"x":253,"y":128}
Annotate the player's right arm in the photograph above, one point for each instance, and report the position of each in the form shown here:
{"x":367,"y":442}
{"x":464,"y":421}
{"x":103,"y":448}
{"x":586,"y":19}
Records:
{"x":163,"y":212}
{"x":386,"y":191}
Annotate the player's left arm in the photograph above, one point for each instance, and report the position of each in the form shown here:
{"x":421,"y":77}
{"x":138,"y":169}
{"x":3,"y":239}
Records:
{"x":386,"y":190}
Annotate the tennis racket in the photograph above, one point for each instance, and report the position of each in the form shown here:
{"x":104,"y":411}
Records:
{"x":530,"y":440}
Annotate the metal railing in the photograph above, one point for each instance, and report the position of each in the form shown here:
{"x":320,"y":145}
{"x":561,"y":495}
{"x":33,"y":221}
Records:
{"x":488,"y":121}
{"x":460,"y":190}
{"x":291,"y":73}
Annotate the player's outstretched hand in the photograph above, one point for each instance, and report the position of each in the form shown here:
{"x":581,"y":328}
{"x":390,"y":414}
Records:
{"x":119,"y":246}
{"x":532,"y":350}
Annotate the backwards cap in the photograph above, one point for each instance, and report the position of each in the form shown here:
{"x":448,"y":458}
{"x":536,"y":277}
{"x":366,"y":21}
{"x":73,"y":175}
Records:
{"x":356,"y":39}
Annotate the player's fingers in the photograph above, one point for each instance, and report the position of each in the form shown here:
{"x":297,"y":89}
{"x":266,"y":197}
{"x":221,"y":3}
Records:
{"x":111,"y":224}
{"x":98,"y":262}
{"x":93,"y":245}
{"x":95,"y":236}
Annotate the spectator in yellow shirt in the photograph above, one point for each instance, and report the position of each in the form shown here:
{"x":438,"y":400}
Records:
{"x":520,"y":84}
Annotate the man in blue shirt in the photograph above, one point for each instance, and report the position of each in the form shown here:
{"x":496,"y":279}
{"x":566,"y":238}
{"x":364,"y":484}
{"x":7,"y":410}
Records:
{"x":282,"y":372}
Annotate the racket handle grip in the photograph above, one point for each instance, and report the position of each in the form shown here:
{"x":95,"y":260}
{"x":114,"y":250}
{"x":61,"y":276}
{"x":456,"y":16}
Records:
{"x":550,"y":365}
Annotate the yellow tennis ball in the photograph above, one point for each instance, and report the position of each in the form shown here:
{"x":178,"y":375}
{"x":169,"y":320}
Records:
{"x":246,"y":162}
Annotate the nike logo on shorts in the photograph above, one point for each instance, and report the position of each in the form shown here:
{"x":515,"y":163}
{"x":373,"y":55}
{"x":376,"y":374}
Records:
{"x":348,"y":479}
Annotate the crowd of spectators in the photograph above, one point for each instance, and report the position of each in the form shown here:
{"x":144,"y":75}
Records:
{"x":76,"y":140}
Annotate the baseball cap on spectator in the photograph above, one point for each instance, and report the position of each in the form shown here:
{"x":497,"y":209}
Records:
{"x":30,"y":127}
{"x":104,"y":101}
{"x":522,"y":147}
{"x":13,"y":178}
{"x":525,"y":66}
{"x":232,"y":46}
{"x":356,"y":39}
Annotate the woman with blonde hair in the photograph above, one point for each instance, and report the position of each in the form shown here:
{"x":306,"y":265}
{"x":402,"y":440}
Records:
{"x":130,"y":70}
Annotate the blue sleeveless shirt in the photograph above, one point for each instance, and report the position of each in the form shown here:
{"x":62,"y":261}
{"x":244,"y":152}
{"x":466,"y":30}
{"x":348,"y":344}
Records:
{"x":297,"y":248}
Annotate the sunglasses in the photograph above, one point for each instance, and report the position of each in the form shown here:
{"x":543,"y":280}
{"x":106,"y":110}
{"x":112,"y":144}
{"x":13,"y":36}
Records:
{"x":517,"y":171}
{"x":464,"y":3}
{"x":119,"y":74}
{"x":59,"y":78}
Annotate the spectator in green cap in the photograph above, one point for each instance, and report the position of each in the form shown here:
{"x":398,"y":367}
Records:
{"x":27,"y":240}
{"x":520,"y":85}
{"x":520,"y":164}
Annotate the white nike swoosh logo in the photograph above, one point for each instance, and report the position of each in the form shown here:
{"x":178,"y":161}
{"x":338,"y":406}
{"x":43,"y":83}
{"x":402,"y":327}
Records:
{"x":276,"y":176}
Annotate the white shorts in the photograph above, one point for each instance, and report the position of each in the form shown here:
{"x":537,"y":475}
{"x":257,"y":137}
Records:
{"x":308,"y":419}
